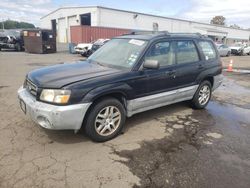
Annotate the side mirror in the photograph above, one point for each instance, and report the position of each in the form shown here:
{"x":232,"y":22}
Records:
{"x":151,"y":64}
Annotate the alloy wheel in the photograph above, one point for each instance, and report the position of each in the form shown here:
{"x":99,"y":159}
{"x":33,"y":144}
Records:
{"x":107,"y":120}
{"x":204,"y":95}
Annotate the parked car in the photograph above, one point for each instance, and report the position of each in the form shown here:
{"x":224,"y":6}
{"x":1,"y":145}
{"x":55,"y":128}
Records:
{"x":223,"y":49}
{"x":83,"y":47}
{"x":96,"y":45}
{"x":11,"y":39}
{"x":240,"y":49}
{"x":128,"y":75}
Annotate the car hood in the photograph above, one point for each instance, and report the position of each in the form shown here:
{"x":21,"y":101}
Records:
{"x":84,"y":45}
{"x":61,"y":75}
{"x":235,"y":47}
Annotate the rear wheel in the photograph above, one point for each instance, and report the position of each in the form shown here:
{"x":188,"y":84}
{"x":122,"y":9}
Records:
{"x":202,"y":95}
{"x":228,"y":53}
{"x":105,"y":120}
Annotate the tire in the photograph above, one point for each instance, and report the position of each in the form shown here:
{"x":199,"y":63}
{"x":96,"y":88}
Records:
{"x":196,"y":101}
{"x":228,"y":54}
{"x":97,"y":118}
{"x":18,"y":47}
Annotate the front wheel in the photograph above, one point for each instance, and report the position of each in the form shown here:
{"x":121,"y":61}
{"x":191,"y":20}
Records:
{"x":105,"y":120}
{"x":18,"y":47}
{"x":202,"y":95}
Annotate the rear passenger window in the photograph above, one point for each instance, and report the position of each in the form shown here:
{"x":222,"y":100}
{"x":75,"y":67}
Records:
{"x":208,"y":50}
{"x":161,"y":52}
{"x":186,"y":52}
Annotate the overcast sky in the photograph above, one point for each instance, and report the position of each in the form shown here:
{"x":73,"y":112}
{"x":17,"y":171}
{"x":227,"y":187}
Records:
{"x":235,"y":11}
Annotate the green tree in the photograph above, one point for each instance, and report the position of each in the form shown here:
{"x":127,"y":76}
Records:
{"x":218,"y":20}
{"x":11,"y":24}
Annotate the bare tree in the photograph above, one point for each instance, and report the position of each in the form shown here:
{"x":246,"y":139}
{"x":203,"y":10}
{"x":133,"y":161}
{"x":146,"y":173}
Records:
{"x":218,"y":20}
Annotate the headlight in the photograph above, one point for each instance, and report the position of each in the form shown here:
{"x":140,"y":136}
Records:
{"x":55,"y":96}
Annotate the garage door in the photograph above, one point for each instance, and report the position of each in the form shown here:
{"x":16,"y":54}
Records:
{"x":62,"y":30}
{"x":71,"y":22}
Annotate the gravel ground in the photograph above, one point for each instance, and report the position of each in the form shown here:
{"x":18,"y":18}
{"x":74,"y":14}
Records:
{"x":173,"y":146}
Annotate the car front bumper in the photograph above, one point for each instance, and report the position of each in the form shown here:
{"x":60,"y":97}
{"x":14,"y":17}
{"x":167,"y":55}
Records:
{"x":80,"y":51}
{"x":52,"y":116}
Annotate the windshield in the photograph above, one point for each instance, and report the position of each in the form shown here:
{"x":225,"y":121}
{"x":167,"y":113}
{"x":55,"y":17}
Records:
{"x":119,"y":53}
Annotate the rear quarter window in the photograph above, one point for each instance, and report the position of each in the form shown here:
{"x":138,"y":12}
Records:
{"x":208,"y":50}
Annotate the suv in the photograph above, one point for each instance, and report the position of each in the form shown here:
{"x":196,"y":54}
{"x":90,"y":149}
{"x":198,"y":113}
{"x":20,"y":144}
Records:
{"x":128,"y":75}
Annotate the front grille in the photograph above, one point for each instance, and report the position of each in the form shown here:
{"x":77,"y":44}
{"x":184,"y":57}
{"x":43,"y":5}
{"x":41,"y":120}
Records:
{"x":31,"y":87}
{"x":233,"y":51}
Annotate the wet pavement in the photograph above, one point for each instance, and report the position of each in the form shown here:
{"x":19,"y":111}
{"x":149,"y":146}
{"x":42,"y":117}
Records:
{"x":208,"y":148}
{"x":173,"y":146}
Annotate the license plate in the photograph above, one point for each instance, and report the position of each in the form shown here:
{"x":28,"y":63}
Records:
{"x":22,"y":105}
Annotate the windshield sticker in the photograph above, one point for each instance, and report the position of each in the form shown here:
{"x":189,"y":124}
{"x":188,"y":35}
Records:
{"x":136,"y":42}
{"x":132,"y":59}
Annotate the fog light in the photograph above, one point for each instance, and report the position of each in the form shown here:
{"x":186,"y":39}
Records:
{"x":44,"y":122}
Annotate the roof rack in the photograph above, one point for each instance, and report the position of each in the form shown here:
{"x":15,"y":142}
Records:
{"x":189,"y":34}
{"x":165,"y":33}
{"x":147,"y":32}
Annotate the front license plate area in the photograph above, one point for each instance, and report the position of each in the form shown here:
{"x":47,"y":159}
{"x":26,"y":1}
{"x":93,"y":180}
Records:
{"x":22,"y":105}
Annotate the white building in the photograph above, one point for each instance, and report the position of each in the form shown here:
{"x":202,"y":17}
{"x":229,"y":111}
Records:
{"x":62,"y":18}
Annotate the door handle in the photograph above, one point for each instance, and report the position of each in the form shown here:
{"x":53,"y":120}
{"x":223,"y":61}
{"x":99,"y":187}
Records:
{"x":200,"y":66}
{"x":171,"y":73}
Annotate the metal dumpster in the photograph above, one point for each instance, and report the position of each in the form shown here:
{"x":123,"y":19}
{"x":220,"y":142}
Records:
{"x":39,"y":41}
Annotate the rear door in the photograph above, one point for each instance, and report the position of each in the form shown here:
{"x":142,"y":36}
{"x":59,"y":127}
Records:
{"x":189,"y":64}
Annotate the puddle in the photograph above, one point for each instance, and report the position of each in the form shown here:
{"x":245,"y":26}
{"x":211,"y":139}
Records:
{"x":186,"y":155}
{"x":157,"y":162}
{"x":214,"y":135}
{"x":229,"y":112}
{"x":177,"y":126}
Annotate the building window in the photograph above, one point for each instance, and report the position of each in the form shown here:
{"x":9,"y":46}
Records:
{"x":85,"y":19}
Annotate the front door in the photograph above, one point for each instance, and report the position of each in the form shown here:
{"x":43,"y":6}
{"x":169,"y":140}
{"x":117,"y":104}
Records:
{"x":160,"y":83}
{"x":162,"y":79}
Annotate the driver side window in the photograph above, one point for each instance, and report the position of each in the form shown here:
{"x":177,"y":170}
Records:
{"x":162,"y":52}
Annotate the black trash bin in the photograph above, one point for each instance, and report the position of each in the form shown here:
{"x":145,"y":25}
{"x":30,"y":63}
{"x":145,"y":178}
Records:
{"x":39,"y":41}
